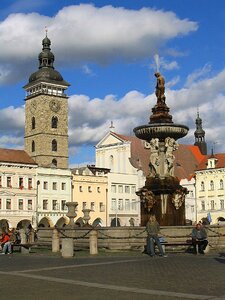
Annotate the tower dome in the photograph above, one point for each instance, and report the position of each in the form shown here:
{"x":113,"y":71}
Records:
{"x":46,"y":72}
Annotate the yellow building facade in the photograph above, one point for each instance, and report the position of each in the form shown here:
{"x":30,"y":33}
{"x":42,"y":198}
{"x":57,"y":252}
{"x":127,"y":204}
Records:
{"x":90,"y":191}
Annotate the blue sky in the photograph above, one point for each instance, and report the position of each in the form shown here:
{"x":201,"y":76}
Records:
{"x":106,"y":49}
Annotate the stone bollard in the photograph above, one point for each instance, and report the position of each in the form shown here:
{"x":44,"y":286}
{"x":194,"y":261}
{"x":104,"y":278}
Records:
{"x":55,"y":241}
{"x":67,"y":247}
{"x":93,"y":242}
{"x":23,"y":241}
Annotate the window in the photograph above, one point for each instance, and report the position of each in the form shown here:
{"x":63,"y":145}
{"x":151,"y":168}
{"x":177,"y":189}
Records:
{"x":8,"y":203}
{"x":29,"y":183}
{"x":191,"y":194}
{"x":84,"y":205}
{"x":54,"y":162}
{"x":101,"y":207}
{"x":54,"y":186}
{"x":63,"y":205}
{"x":63,"y":186}
{"x":45,"y":185}
{"x":9,"y":182}
{"x":211,"y":185}
{"x":202,"y":186}
{"x":54,"y":122}
{"x":89,"y":189}
{"x":212,"y":204}
{"x":33,"y":123}
{"x":29,"y":204}
{"x":54,"y":145}
{"x":127,"y":204}
{"x":98,"y":189}
{"x":133,"y":189}
{"x":203,"y":205}
{"x":92,"y":206}
{"x":113,"y":204}
{"x":120,"y":204}
{"x":20,"y":204}
{"x":192,"y":209}
{"x":0,"y":181}
{"x":221,"y":184}
{"x":21,"y":183}
{"x":113,"y":188}
{"x":54,"y":205}
{"x":80,"y":188}
{"x":222,"y":204}
{"x":0,"y":203}
{"x":33,"y":146}
{"x":45,"y":204}
{"x":120,"y":188}
{"x":127,"y":189}
{"x":134,"y":204}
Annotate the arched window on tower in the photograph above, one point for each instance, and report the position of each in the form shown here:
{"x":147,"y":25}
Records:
{"x":54,"y":162}
{"x":33,"y":146}
{"x":33,"y":123}
{"x":54,"y":145}
{"x":54,"y":122}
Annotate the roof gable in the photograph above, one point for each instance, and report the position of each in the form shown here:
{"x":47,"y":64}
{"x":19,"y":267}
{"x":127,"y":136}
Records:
{"x":111,"y":138}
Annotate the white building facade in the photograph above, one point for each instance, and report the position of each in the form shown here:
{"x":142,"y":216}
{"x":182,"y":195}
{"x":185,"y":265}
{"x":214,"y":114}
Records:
{"x":53,"y":191}
{"x":124,"y":180}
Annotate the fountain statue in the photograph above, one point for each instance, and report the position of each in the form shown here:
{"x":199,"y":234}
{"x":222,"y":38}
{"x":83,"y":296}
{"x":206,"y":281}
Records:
{"x":162,"y":194}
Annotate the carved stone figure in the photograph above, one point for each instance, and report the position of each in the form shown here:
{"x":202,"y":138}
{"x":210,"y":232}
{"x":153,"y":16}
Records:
{"x":170,"y":145}
{"x":160,"y":89}
{"x":148,"y":198}
{"x":154,"y":157}
{"x":178,"y":198}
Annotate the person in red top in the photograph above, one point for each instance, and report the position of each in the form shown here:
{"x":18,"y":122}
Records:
{"x":5,"y":243}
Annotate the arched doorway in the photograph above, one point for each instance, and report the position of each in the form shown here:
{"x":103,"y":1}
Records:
{"x":79,"y":222}
{"x":62,"y":222}
{"x":115,"y":222}
{"x":45,"y":223}
{"x":23,"y":224}
{"x":97,"y":222}
{"x":4,"y":224}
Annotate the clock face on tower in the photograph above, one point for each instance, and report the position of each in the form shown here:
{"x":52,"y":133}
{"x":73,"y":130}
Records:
{"x":54,"y":105}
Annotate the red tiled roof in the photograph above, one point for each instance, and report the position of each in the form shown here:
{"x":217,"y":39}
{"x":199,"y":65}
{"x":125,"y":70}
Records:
{"x":15,"y":156}
{"x":187,"y":157}
{"x":220,"y":163}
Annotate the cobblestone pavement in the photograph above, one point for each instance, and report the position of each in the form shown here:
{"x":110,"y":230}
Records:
{"x":112,"y":276}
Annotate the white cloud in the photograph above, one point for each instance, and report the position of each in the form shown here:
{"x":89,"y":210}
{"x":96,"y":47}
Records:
{"x":198,"y":74}
{"x":89,"y":119}
{"x":84,"y":33}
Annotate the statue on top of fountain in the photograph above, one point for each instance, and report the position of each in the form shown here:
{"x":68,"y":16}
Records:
{"x":160,"y":89}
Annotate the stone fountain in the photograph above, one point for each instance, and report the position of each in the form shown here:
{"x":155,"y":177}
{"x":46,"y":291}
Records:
{"x":162,"y":194}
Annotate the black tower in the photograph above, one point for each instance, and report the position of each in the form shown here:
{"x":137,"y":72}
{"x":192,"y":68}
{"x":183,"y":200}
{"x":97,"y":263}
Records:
{"x":200,"y":136}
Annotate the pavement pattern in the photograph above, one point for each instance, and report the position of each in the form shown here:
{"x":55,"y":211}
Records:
{"x":113,"y":276}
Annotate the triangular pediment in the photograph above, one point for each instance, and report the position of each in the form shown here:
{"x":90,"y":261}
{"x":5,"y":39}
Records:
{"x":110,"y":139}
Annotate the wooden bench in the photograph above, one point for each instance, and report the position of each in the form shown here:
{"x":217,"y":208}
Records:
{"x":174,"y":245}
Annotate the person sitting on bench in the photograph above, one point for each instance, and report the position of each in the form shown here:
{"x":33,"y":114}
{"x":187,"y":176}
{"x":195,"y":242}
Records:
{"x":199,"y":238}
{"x":152,"y":228}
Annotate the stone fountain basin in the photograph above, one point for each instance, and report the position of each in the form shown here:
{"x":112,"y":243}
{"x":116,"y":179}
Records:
{"x":160,"y":131}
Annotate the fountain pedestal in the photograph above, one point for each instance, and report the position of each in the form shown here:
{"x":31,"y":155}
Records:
{"x":162,"y":194}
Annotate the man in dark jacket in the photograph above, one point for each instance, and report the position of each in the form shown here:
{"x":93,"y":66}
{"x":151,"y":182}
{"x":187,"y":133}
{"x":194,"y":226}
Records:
{"x":199,"y":237}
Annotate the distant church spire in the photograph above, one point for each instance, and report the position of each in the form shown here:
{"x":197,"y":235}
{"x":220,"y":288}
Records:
{"x":200,"y":135}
